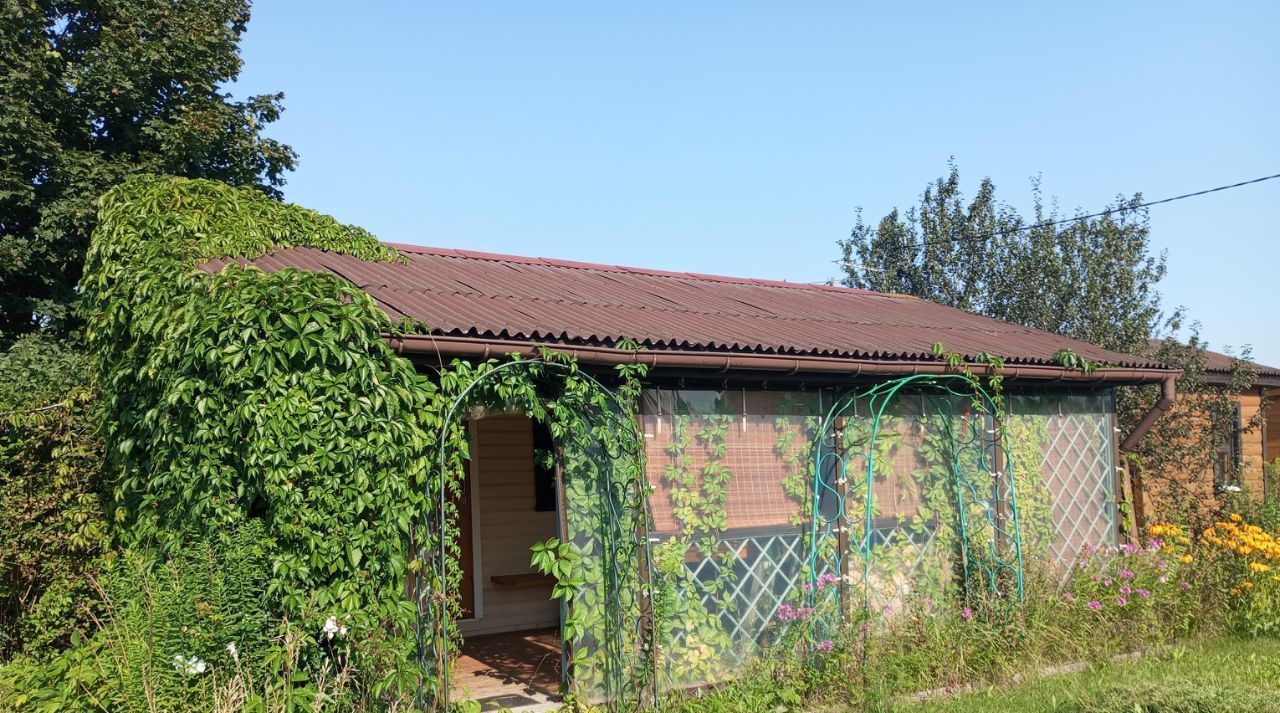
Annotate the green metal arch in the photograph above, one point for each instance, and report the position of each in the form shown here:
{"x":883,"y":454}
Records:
{"x":975,"y":453}
{"x":433,"y":643}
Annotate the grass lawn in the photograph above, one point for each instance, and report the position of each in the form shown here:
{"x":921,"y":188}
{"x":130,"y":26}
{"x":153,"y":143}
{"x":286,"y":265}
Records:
{"x":1204,"y":677}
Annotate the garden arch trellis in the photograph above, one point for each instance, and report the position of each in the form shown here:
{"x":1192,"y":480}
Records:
{"x":967,"y":419}
{"x":600,"y":456}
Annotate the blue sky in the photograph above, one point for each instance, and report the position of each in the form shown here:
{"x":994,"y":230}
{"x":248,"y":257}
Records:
{"x":739,"y":138}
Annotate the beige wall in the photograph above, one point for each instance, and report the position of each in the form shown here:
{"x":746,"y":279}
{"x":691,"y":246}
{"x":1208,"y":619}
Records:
{"x":505,"y":527}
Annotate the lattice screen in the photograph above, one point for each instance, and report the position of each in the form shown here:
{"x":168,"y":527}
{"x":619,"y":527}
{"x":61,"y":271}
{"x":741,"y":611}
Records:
{"x":1074,"y":435}
{"x":731,"y":478}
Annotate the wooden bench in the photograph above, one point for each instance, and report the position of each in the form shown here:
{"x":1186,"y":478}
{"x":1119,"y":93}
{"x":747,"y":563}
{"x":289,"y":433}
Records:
{"x":522,"y":581}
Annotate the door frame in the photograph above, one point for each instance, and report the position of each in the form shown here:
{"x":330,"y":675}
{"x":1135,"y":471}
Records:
{"x":473,"y":483}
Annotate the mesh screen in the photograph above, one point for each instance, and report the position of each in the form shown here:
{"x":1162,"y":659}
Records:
{"x":729,"y":472}
{"x":1068,"y":442}
{"x":732,"y":477}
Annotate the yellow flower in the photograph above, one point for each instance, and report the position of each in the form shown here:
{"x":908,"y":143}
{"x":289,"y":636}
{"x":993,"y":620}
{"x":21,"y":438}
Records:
{"x":1247,"y":585}
{"x":1236,"y":592}
{"x":1186,"y":559}
{"x":1235,"y":517}
{"x":1259,"y":567}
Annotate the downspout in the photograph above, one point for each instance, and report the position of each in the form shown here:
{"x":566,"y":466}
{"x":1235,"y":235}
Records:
{"x":1168,"y":390}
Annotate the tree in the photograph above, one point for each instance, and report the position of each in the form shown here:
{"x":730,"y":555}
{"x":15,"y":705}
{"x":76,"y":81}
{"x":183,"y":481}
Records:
{"x":96,"y":91}
{"x":1091,"y":279}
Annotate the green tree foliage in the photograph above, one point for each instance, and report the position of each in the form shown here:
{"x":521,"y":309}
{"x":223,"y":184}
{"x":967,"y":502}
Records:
{"x":52,"y":526}
{"x":1092,"y":280}
{"x":94,"y":92}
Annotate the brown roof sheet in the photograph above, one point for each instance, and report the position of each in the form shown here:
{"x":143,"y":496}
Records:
{"x":1222,"y":364}
{"x":480,"y":295}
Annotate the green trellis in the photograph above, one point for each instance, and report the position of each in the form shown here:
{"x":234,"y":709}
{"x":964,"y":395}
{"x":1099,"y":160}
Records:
{"x":963,"y":422}
{"x":605,"y":519}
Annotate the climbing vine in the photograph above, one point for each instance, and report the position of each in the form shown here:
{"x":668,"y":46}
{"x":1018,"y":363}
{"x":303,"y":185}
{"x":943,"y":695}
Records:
{"x":233,"y":395}
{"x":600,"y":561}
{"x":240,"y":395}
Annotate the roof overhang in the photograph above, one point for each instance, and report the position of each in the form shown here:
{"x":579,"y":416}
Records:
{"x":445,"y":348}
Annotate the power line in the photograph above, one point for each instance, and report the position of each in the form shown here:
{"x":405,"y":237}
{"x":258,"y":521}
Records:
{"x":1064,"y":221}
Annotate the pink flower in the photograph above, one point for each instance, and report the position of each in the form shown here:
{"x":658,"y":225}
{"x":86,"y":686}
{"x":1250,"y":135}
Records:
{"x":1126,"y":590}
{"x":1126,"y":574}
{"x":1068,"y":596}
{"x":966,"y":613}
{"x":1121,"y":601}
{"x":1106,"y":582}
{"x":1164,"y":579}
{"x":1095,"y":605}
{"x":1184,"y":585}
{"x":825,"y":646}
{"x":1144,"y":593}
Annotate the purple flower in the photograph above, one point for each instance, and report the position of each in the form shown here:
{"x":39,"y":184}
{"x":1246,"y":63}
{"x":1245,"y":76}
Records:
{"x":825,"y":646}
{"x":1106,"y":582}
{"x":1126,"y":574}
{"x":1184,"y":585}
{"x":1095,"y":605}
{"x":1121,"y":601}
{"x":1154,"y":545}
{"x":1126,"y":590}
{"x":966,"y":613}
{"x":1144,"y":593}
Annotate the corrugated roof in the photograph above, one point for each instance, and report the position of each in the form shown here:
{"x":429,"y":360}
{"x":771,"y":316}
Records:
{"x":480,"y":295}
{"x":1217,"y":363}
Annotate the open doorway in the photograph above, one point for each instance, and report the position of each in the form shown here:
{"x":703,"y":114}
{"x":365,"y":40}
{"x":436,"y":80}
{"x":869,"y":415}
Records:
{"x":511,"y":655}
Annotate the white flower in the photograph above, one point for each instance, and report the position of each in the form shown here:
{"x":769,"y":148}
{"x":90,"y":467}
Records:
{"x":331,"y":627}
{"x":231,"y":649}
{"x":342,"y":631}
{"x":191,"y":666}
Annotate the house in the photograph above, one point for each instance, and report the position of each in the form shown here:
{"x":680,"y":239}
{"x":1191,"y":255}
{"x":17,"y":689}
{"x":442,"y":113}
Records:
{"x":790,"y":431}
{"x":1240,"y":462}
{"x":1248,"y":442}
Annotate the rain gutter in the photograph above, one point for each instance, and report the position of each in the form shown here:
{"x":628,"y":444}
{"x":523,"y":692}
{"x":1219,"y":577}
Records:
{"x":721,"y":362}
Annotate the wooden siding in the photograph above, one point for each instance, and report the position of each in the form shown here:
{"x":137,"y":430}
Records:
{"x":1272,"y":445}
{"x":506,"y":526}
{"x":1196,"y":490}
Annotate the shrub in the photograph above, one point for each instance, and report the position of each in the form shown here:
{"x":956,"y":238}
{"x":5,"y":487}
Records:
{"x":52,"y":526}
{"x":194,"y":631}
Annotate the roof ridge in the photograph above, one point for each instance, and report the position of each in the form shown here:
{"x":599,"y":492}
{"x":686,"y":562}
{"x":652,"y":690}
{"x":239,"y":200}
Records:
{"x":654,"y":272}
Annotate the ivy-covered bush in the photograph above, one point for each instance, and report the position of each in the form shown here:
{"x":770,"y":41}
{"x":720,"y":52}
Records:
{"x":52,"y":528}
{"x":243,"y":395}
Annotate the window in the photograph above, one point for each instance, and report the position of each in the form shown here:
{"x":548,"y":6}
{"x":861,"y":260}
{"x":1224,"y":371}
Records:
{"x":544,"y":468}
{"x":1226,"y":450}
